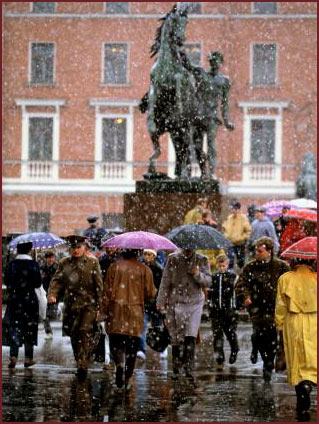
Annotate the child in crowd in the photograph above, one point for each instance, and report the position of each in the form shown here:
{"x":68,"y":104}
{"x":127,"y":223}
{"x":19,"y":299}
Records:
{"x":222,"y":307}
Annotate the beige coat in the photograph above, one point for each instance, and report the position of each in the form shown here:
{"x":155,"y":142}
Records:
{"x":182,"y":294}
{"x":127,"y":285}
{"x":237,"y":228}
{"x":296,"y":316}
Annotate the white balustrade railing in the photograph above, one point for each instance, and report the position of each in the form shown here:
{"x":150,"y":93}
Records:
{"x":261,"y":172}
{"x":115,"y":170}
{"x":39,"y":170}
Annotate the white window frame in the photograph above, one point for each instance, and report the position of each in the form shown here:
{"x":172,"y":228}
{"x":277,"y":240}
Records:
{"x":125,"y":174}
{"x":248,"y":117}
{"x":30,"y":63}
{"x":251,"y":62}
{"x":40,"y":170}
{"x":125,"y":84}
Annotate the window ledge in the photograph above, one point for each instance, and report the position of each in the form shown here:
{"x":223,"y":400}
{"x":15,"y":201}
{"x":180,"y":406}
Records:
{"x":42,"y":84}
{"x":107,"y":85}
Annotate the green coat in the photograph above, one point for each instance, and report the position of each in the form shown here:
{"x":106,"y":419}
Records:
{"x":81,"y":281}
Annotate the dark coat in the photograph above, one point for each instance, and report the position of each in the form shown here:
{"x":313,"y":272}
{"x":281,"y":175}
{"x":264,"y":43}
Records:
{"x":150,"y":305}
{"x":47,"y":272}
{"x":221,"y":295}
{"x":258,"y":280}
{"x":20,"y":322}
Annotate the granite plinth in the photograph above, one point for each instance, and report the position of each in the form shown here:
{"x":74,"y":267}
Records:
{"x":161,"y":205}
{"x":193,"y":185}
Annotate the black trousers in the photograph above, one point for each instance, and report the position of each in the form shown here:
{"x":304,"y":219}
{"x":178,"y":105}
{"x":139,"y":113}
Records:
{"x":224,"y":322}
{"x":264,"y":339}
{"x":28,"y":351}
{"x":123,"y":349}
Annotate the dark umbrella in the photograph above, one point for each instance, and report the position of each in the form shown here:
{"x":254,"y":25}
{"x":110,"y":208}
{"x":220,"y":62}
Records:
{"x":39,"y":240}
{"x":195,"y":236}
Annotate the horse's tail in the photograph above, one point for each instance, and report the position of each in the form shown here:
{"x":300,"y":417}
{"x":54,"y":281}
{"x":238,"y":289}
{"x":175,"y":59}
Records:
{"x":143,"y":104}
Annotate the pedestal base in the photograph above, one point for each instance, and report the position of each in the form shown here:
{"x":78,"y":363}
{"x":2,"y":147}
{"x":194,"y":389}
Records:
{"x":161,"y":205}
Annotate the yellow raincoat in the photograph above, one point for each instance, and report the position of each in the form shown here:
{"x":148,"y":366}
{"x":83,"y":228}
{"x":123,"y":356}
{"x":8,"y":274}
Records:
{"x":296,"y":316}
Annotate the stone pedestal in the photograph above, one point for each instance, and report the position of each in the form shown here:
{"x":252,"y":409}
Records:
{"x":161,"y":205}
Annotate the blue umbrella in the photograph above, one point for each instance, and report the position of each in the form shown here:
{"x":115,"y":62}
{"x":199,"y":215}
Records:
{"x":39,"y":240}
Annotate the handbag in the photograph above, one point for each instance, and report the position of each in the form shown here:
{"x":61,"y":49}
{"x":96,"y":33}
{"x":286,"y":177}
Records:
{"x":157,"y":338}
{"x":42,"y":299}
{"x":98,"y":352}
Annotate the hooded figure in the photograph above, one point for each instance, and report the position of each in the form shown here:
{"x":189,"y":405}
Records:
{"x":296,"y":317}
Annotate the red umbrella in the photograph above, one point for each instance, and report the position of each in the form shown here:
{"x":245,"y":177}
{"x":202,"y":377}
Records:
{"x":306,"y":214}
{"x":305,"y":248}
{"x":139,"y":240}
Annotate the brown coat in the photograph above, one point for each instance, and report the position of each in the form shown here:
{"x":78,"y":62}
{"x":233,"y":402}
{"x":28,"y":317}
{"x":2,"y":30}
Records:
{"x":127,"y":285}
{"x":81,"y":281}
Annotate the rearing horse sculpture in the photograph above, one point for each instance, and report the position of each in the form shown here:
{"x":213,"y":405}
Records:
{"x":170,"y":101}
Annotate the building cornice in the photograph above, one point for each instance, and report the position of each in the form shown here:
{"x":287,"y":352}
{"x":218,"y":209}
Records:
{"x":113,"y":102}
{"x":31,"y":15}
{"x":40,"y":102}
{"x":68,"y":187}
{"x":263,"y":104}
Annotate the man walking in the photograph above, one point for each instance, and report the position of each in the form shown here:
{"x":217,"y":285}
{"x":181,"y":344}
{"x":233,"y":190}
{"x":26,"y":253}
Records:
{"x":258,"y":281}
{"x":80,"y":277}
{"x":47,"y":271}
{"x":262,"y":226}
{"x":237,"y":229}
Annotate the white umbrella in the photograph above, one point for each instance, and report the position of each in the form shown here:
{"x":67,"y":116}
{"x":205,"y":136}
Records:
{"x":304,"y":203}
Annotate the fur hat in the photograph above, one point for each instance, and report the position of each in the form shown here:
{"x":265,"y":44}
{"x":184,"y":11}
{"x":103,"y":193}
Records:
{"x":150,"y":251}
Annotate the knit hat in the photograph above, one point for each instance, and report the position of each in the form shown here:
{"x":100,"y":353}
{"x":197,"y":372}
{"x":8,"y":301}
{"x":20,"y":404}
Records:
{"x":150,"y":251}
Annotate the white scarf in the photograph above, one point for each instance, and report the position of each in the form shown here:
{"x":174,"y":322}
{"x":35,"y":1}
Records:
{"x":23,"y":256}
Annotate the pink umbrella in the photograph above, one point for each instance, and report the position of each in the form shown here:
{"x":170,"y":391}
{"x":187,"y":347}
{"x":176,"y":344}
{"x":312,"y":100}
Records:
{"x":139,"y":240}
{"x":274,"y":208}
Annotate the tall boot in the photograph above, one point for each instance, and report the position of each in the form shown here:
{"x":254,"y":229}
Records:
{"x":13,"y":362}
{"x":254,"y":350}
{"x":189,"y":356}
{"x":303,"y":390}
{"x":177,"y":360}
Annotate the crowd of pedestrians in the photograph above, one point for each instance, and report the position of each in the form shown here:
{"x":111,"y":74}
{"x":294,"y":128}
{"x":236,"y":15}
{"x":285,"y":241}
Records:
{"x":129,"y":290}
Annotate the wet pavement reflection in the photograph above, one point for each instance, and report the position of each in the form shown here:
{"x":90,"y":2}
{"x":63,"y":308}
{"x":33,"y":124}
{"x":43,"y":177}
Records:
{"x":50,"y":391}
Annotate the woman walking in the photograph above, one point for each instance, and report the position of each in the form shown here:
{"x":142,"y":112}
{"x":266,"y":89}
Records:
{"x":20,"y":322}
{"x":296,"y":316}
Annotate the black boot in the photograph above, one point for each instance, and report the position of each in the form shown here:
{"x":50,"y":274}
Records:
{"x":303,"y":390}
{"x":254,"y":351}
{"x":177,"y":360}
{"x":189,"y":356}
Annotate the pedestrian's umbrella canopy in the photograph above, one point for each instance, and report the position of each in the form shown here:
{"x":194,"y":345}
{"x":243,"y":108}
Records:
{"x":274,"y":208}
{"x":196,"y":236}
{"x":305,"y":248}
{"x":306,"y":214}
{"x":39,"y":240}
{"x":304,"y":203}
{"x":139,"y":240}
